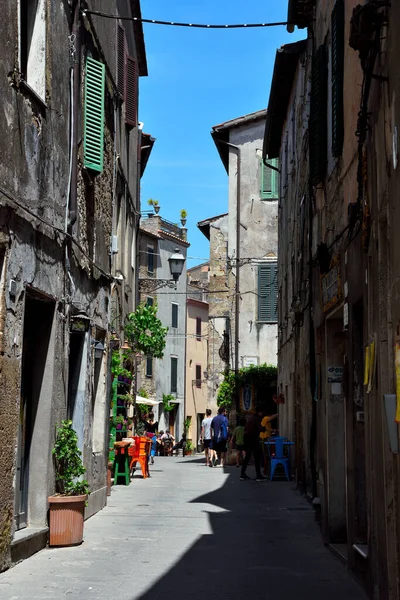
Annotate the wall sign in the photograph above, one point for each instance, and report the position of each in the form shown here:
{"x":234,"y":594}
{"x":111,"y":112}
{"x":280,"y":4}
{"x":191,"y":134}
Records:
{"x":331,"y":287}
{"x":247,"y":399}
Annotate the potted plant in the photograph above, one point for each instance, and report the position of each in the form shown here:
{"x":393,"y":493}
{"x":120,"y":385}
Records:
{"x":67,"y":506}
{"x":120,"y":423}
{"x":183,"y":217}
{"x":189,"y":448}
{"x":154,"y":204}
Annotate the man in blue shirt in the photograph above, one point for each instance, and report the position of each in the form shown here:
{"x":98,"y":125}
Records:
{"x":219,"y":426}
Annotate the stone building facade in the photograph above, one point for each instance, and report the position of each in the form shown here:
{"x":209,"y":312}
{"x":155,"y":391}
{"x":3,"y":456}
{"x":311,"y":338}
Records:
{"x":243,"y":254}
{"x":66,"y":120}
{"x":159,"y":239}
{"x":332,"y":123}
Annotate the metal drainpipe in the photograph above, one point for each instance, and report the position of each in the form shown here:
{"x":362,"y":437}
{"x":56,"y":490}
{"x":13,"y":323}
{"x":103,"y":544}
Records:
{"x":76,"y":92}
{"x":237,"y":286}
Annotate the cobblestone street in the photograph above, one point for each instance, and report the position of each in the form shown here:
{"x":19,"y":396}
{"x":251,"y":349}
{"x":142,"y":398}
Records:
{"x":190,"y":532}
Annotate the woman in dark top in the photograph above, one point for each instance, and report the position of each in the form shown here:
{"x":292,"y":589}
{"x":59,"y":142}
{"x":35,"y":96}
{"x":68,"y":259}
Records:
{"x":151,"y":429}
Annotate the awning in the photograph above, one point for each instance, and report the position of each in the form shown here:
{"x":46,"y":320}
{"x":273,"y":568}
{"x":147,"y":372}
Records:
{"x":147,"y":401}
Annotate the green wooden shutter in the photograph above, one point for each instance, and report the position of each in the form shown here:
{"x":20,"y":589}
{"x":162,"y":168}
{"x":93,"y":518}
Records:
{"x":93,"y":146}
{"x":318,"y":116}
{"x":269,"y":181}
{"x":267,"y":292}
{"x":337,"y":77}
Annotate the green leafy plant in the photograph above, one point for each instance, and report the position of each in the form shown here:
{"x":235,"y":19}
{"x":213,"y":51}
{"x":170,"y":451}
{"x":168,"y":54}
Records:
{"x":120,"y":420}
{"x":258,"y":375}
{"x":187,"y":423}
{"x":143,"y":408}
{"x":143,"y":393}
{"x":189,"y":445}
{"x":166,"y":400}
{"x":183,"y":214}
{"x":68,"y":462}
{"x":116,"y":363}
{"x":152,"y":202}
{"x":145,"y":331}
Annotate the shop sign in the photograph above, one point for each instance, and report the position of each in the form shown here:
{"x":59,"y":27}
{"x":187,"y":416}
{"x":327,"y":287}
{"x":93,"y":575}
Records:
{"x":331,"y":287}
{"x":247,"y":399}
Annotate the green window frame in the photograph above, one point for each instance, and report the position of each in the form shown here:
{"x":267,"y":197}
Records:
{"x":268,"y":292}
{"x":93,"y":144}
{"x":270,"y":180}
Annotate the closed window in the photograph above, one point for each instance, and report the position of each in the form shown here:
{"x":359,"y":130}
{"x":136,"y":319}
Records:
{"x":150,"y":259}
{"x":174,"y":320}
{"x":150,"y":301}
{"x":270,"y":181}
{"x":198,"y":376}
{"x":318,"y":130}
{"x":149,"y":366}
{"x":174,"y":374}
{"x":93,"y":147}
{"x":32,"y":44}
{"x":268,"y":292}
{"x":198,"y":328}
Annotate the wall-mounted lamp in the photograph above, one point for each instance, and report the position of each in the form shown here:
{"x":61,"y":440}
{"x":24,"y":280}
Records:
{"x":98,"y":349}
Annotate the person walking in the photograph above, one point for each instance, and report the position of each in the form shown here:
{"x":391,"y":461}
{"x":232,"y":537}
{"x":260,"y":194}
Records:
{"x":206,"y":438}
{"x":151,"y":428}
{"x":238,"y":441}
{"x":219,"y":426}
{"x":252,"y":432}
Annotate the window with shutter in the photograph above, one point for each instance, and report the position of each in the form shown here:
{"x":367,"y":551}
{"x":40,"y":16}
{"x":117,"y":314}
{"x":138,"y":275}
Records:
{"x":174,"y":319}
{"x":174,"y":374}
{"x":149,"y":367}
{"x":94,"y":115}
{"x":269,"y":181}
{"x":131,"y":92}
{"x":121,"y":54}
{"x":318,"y":116}
{"x":337,"y":77}
{"x":268,"y":292}
{"x":198,"y":376}
{"x":150,"y":301}
{"x":198,"y":328}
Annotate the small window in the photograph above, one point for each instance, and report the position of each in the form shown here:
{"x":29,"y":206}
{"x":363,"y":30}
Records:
{"x":174,"y":319}
{"x":338,"y":44}
{"x":149,"y":366}
{"x":150,"y":259}
{"x":174,"y":374}
{"x":150,"y":301}
{"x":32,"y":44}
{"x":268,"y":292}
{"x":198,"y":328}
{"x":270,"y":180}
{"x":198,"y":376}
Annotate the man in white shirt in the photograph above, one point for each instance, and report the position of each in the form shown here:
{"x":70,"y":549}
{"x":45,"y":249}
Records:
{"x":206,"y":437}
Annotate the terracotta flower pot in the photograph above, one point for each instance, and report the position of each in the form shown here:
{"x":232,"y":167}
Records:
{"x":66,"y":520}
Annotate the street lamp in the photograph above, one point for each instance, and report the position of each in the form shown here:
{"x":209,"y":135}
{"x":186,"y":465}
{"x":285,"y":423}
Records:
{"x":176,"y":263}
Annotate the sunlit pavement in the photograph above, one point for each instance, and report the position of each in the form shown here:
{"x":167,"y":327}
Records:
{"x":191,"y":532}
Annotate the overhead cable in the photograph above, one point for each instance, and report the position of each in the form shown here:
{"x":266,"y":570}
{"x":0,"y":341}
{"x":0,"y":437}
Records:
{"x":176,"y":24}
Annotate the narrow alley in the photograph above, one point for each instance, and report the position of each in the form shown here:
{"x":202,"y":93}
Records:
{"x":191,"y":532}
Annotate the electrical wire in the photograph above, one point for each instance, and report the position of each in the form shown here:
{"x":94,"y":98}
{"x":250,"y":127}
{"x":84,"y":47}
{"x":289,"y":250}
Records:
{"x":98,"y":13}
{"x":20,"y":205}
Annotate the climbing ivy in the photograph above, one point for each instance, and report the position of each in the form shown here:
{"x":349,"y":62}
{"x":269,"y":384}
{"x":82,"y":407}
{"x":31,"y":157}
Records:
{"x":145,"y":332}
{"x":166,"y":399}
{"x":258,"y":375}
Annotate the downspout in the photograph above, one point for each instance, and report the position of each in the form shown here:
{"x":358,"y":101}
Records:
{"x":73,"y":200}
{"x":237,"y":286}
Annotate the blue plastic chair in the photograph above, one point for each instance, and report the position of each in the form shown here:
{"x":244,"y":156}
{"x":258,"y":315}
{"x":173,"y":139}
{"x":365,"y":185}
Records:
{"x":279,"y":458}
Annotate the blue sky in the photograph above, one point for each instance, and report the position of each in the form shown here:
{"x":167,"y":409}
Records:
{"x":197,"y":79}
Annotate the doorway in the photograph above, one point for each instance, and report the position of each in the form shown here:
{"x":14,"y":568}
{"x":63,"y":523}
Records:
{"x":33,"y":452}
{"x":335,"y":428}
{"x":77,"y":383}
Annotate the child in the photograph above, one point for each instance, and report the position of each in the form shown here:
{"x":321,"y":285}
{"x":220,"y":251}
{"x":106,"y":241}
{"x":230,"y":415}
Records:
{"x":238,"y":441}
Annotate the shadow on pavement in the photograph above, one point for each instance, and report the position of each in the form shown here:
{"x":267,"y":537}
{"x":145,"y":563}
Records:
{"x":264,"y":544}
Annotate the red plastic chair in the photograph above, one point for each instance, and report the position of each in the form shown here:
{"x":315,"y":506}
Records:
{"x":139,"y":454}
